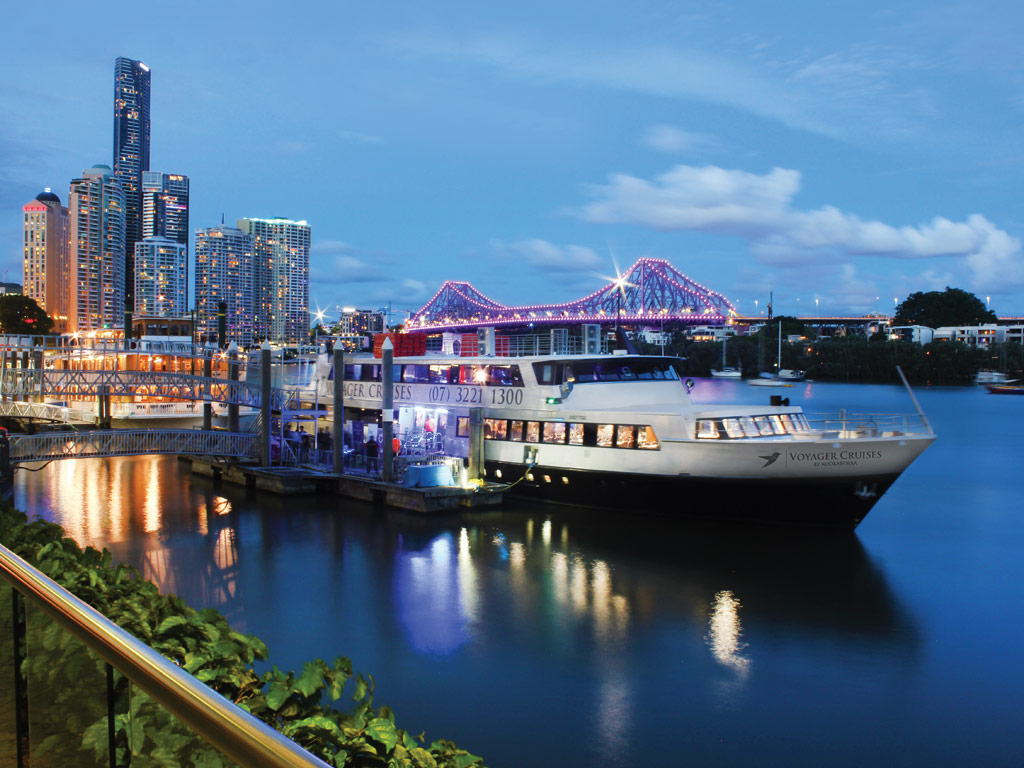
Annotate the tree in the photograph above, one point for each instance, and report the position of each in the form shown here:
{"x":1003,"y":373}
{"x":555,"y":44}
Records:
{"x":20,"y":314}
{"x":935,"y":309}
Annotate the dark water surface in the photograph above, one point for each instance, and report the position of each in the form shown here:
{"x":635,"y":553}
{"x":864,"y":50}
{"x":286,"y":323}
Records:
{"x":537,"y":636}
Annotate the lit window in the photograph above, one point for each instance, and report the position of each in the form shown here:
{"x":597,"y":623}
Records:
{"x":625,"y":437}
{"x":707,"y":429}
{"x":576,"y":434}
{"x":533,"y":431}
{"x":605,"y":432}
{"x":764,"y":426}
{"x":732,"y":428}
{"x":516,"y":431}
{"x":554,"y":432}
{"x":647,"y":439}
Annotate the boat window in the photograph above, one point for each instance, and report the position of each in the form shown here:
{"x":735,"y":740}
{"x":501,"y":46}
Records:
{"x":533,"y":431}
{"x":749,"y":427}
{"x":625,"y":436}
{"x":495,"y":429}
{"x":515,"y":431}
{"x":604,"y":435}
{"x":576,"y":434}
{"x":732,"y":428}
{"x":646,"y":439}
{"x":548,"y":373}
{"x":764,"y":426}
{"x":439,"y":374}
{"x":415,"y":374}
{"x":805,"y":425}
{"x":505,"y":376}
{"x":462,"y":426}
{"x":631,"y":369}
{"x":788,"y":423}
{"x":707,"y":429}
{"x":777,"y":426}
{"x":554,"y":432}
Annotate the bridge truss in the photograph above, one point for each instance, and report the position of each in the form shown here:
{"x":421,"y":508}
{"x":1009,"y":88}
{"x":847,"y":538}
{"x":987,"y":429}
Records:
{"x":131,"y":442}
{"x":46,"y":412}
{"x":648,"y":293}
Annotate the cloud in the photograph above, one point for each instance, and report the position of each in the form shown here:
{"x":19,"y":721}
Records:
{"x":548,"y":257}
{"x":668,"y":138}
{"x":759,"y":209}
{"x":335,"y":261}
{"x":854,"y":95}
{"x":362,"y":138}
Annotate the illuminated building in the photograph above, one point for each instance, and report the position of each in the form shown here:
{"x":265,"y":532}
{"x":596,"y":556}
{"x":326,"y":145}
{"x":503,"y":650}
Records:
{"x":355,"y":322}
{"x":46,"y":256}
{"x":224,"y":273}
{"x":280,"y":278}
{"x":161,"y":287}
{"x":131,"y":147}
{"x":165,"y":206}
{"x":96,"y":255}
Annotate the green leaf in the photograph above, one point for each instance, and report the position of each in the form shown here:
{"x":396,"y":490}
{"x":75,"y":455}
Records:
{"x":383,"y":731}
{"x":423,"y":758}
{"x":312,"y":680}
{"x":466,"y":760}
{"x":170,"y":623}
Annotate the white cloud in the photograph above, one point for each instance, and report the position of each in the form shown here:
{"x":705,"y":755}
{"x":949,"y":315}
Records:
{"x":758,"y":208}
{"x":668,"y":138}
{"x":362,"y":138}
{"x":549,"y":257}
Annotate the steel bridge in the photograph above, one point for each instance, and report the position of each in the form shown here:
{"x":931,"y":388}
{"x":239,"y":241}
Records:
{"x":180,"y":386}
{"x":131,"y":442}
{"x":649,"y":292}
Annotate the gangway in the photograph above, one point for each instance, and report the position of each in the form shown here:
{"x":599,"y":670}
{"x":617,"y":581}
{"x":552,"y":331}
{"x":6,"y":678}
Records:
{"x":132,"y":442}
{"x":46,"y":412}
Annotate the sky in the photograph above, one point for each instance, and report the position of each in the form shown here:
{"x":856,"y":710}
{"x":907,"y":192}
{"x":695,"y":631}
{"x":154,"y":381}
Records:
{"x":838,"y":155}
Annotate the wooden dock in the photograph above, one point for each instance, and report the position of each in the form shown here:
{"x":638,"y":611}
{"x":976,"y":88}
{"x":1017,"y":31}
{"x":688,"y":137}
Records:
{"x":303,"y":480}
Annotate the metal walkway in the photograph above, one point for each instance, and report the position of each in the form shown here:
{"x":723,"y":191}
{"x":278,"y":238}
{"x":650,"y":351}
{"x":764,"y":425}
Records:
{"x":131,"y":442}
{"x":47,"y":412}
{"x":182,"y":386}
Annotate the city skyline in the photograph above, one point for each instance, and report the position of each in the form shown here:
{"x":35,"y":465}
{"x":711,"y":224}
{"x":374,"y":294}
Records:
{"x":843,"y":162}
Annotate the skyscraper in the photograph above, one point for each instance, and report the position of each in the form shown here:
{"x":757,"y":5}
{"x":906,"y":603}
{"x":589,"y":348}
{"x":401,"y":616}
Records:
{"x":96,"y":256}
{"x":46,"y":256}
{"x":224,"y":273}
{"x":160,"y":278}
{"x":131,"y":148}
{"x":165,"y":206}
{"x":280,"y":278}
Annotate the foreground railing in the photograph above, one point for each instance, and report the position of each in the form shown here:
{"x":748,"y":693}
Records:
{"x":68,"y":704}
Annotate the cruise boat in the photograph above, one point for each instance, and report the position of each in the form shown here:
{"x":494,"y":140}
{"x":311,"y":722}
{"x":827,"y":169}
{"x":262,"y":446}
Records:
{"x":621,"y":431}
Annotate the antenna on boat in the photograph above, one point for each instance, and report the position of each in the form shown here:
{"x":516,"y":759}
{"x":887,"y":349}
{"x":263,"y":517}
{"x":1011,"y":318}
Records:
{"x":914,"y":399}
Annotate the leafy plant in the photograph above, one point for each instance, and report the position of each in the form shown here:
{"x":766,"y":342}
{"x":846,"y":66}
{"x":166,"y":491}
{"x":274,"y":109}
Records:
{"x":202,"y":643}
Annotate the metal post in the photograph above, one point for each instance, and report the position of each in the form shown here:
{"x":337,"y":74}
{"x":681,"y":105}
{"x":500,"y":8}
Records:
{"x":265,"y":411}
{"x":476,"y":443}
{"x":338,"y":427}
{"x":39,"y":367}
{"x":207,"y":373}
{"x":233,"y":420}
{"x":387,"y":408}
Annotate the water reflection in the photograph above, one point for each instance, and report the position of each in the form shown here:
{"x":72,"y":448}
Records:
{"x":616,"y":611}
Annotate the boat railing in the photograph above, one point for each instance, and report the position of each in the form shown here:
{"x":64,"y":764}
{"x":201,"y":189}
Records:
{"x":850,"y":425}
{"x":524,"y":345}
{"x":87,"y":692}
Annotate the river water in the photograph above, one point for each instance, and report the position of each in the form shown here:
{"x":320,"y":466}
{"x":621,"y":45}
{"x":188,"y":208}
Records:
{"x":537,"y":636}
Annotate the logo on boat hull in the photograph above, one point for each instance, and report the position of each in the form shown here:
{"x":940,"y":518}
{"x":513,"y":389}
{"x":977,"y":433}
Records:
{"x":769,"y":460}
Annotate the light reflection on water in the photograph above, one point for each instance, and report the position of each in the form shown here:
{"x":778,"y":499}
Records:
{"x":601,"y":637}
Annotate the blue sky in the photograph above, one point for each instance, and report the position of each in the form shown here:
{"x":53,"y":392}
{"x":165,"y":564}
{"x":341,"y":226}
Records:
{"x":831,"y":153}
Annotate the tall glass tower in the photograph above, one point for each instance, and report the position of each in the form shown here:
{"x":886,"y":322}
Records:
{"x":280,"y":278}
{"x":96,"y":260}
{"x":131,"y":152}
{"x":46,"y":256}
{"x":224,"y":273}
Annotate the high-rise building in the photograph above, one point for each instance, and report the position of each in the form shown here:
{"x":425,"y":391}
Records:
{"x":165,"y":213}
{"x":280,"y":278}
{"x":224,"y":269}
{"x":161,"y":289}
{"x":131,"y":147}
{"x":46,"y":256}
{"x":165,"y":206}
{"x":96,"y":255}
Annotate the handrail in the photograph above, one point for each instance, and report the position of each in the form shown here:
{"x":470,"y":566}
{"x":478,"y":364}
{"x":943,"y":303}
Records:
{"x":242,"y":737}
